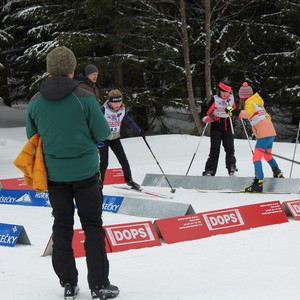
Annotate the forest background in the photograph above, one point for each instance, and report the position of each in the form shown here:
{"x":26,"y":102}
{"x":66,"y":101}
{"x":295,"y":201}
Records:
{"x":165,"y":55}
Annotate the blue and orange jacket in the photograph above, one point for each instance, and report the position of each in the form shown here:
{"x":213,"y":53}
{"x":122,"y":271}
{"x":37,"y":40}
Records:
{"x":260,"y":120}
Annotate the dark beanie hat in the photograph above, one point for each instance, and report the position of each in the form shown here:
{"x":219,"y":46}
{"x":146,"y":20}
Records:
{"x":61,"y":61}
{"x":245,"y":91}
{"x":89,"y":69}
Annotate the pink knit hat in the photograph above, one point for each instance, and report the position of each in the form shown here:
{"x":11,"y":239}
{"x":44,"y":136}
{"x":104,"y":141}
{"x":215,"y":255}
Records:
{"x":245,"y":91}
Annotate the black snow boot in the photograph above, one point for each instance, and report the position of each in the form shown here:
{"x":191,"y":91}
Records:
{"x":70,"y":291}
{"x":208,"y":173}
{"x":255,"y":187}
{"x":231,"y":170}
{"x":277,"y":173}
{"x":133,"y":185}
{"x":111,"y":291}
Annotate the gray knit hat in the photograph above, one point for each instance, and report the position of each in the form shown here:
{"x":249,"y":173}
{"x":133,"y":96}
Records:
{"x":89,"y":69}
{"x":61,"y":61}
{"x":245,"y":91}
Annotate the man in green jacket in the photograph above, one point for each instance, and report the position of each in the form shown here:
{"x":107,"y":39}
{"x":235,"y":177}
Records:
{"x":70,"y":123}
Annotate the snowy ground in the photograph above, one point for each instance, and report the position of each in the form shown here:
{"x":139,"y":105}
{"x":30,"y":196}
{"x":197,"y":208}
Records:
{"x":260,"y":264}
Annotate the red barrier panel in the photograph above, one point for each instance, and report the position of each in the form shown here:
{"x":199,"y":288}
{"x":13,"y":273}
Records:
{"x":77,"y":244}
{"x":222,"y":221}
{"x":127,"y":236}
{"x":183,"y":228}
{"x":112,"y":176}
{"x":15,"y":184}
{"x":263,"y":214}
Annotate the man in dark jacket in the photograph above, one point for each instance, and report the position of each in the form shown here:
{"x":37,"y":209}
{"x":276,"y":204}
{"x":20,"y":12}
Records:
{"x":70,"y":124}
{"x":88,"y":80}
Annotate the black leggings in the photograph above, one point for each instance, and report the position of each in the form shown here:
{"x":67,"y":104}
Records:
{"x":119,"y":152}
{"x":216,"y":137}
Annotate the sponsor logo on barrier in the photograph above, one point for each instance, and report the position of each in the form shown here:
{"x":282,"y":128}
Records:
{"x":34,"y":198}
{"x":223,"y":219}
{"x":7,"y":199}
{"x":7,"y":239}
{"x":131,"y":235}
{"x":11,"y":234}
{"x":293,"y":207}
{"x":112,"y":203}
{"x":42,"y":195}
{"x":24,"y":197}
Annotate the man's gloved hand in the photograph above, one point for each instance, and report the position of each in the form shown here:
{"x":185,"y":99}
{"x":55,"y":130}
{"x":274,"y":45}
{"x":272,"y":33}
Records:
{"x":100,"y":144}
{"x":207,"y":119}
{"x":229,"y":110}
{"x":142,"y":133}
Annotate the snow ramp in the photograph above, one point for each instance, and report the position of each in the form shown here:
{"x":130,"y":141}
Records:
{"x":232,"y":183}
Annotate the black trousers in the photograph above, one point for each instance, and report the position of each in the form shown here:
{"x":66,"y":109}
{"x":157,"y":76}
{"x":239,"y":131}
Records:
{"x":216,"y":137}
{"x":88,"y":199}
{"x":118,"y":150}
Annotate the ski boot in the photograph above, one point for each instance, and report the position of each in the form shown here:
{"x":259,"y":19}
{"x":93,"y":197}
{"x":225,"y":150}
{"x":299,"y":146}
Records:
{"x":277,"y":173}
{"x":111,"y":291}
{"x":232,"y":170}
{"x":134,"y":185}
{"x":70,"y":291}
{"x":208,"y":173}
{"x":255,"y":187}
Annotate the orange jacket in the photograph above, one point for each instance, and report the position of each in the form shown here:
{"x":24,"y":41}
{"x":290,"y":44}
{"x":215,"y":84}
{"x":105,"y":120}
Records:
{"x":31,"y":162}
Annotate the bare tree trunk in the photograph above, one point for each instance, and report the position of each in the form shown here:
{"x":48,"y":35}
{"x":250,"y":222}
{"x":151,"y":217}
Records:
{"x":4,"y":91}
{"x":207,"y":62}
{"x":117,"y":67}
{"x":189,"y":80}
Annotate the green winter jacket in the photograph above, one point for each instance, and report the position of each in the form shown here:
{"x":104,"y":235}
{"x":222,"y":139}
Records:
{"x":70,"y":123}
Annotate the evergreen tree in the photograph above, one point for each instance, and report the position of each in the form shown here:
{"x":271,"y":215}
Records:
{"x":36,"y":27}
{"x":5,"y":40}
{"x":137,"y":46}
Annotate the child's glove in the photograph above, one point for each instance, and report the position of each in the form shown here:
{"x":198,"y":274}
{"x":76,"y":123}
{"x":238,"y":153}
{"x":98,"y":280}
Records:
{"x":207,"y":119}
{"x":229,"y":110}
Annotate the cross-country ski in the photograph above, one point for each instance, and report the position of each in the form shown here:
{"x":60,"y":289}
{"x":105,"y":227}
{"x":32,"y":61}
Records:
{"x":240,"y":192}
{"x":143,"y":191}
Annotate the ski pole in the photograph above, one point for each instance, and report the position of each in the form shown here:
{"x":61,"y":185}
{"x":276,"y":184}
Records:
{"x":230,"y":119}
{"x":196,"y":149}
{"x":231,"y":124}
{"x":279,"y":156}
{"x":172,"y":189}
{"x":242,"y":121}
{"x":297,"y":139}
